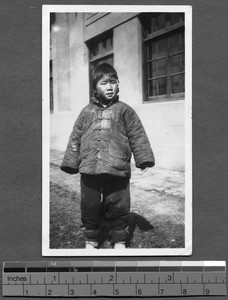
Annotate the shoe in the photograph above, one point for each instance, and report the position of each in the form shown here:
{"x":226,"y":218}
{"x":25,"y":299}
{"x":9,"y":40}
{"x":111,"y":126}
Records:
{"x":91,"y":245}
{"x":120,"y":245}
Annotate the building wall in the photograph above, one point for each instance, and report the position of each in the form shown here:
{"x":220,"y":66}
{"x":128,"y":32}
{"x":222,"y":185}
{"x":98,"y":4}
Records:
{"x":104,"y":21}
{"x":61,"y":63}
{"x":163,"y":121}
{"x":70,"y":76}
{"x":128,"y":61}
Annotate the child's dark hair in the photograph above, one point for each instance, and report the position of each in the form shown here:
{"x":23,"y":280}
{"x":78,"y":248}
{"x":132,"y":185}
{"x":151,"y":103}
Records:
{"x":101,"y":70}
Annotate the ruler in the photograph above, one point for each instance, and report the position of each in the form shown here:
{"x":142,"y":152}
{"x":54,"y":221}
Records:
{"x":114,"y":278}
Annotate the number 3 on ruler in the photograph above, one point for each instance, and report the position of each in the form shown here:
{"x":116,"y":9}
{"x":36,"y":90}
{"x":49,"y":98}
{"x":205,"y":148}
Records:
{"x":72,"y":292}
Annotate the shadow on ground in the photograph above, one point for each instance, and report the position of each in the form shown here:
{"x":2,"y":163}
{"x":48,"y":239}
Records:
{"x":162,"y":212}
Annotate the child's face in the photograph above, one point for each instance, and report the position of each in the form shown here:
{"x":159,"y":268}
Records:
{"x":107,"y":88}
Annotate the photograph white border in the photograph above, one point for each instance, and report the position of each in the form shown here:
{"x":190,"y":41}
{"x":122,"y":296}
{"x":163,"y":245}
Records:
{"x":46,"y":10}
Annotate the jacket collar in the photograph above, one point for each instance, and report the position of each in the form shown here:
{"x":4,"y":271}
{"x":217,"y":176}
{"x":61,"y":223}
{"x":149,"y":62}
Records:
{"x":97,"y":102}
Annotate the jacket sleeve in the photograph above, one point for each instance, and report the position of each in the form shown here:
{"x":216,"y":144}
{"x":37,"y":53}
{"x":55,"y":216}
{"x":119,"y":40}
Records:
{"x":138,"y":140}
{"x":70,"y":162}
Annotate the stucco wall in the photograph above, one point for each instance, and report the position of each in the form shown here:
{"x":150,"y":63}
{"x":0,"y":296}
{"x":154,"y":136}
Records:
{"x":70,"y":76}
{"x":127,"y":60}
{"x":61,"y":63}
{"x":79,"y":79}
{"x":164,"y":123}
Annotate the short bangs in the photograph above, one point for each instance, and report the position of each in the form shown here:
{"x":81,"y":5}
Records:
{"x":101,"y":70}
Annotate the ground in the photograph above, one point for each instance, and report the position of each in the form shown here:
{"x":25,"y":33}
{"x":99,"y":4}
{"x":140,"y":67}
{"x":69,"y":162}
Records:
{"x":157,"y":197}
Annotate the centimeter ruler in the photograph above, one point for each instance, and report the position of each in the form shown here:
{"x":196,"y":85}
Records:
{"x":114,"y":278}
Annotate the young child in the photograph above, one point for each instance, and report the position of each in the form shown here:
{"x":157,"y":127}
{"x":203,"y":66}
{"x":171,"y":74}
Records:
{"x":104,"y":136}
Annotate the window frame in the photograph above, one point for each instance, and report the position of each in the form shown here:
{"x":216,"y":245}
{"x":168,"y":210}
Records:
{"x":164,"y":32}
{"x":100,"y":56}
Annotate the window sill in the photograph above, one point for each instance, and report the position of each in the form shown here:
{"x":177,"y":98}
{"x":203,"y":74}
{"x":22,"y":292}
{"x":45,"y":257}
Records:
{"x":163,"y":98}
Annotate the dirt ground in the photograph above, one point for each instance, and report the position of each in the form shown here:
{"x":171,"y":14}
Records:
{"x":160,"y":202}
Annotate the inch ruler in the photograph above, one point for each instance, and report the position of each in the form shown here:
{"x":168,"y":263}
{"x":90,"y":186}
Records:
{"x":114,"y":278}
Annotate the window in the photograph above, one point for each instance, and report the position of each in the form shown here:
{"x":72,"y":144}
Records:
{"x":164,"y":55}
{"x":100,"y":50}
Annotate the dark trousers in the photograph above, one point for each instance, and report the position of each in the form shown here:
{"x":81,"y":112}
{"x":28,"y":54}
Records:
{"x":105,"y":196}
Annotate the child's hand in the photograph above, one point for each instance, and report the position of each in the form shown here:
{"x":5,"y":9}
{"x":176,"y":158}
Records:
{"x":69,"y":170}
{"x":143,"y":167}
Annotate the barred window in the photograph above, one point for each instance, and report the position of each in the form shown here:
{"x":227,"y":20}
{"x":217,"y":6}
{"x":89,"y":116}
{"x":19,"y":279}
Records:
{"x":164,"y":55}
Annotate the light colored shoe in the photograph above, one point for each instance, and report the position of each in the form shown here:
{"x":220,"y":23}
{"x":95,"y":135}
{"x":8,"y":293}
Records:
{"x":91,"y":245}
{"x":120,"y":245}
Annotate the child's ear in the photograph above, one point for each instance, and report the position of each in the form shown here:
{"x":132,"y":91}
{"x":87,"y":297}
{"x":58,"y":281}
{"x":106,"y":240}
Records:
{"x":95,"y":94}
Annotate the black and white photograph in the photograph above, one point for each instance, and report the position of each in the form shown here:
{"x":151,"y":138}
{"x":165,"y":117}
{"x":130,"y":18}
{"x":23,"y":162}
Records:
{"x":117,"y":130}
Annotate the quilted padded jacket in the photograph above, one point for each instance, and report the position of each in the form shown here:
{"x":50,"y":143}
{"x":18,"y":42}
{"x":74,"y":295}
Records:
{"x":103,"y":140}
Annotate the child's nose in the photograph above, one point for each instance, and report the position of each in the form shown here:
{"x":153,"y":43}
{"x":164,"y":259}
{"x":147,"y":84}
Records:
{"x":109,"y":86}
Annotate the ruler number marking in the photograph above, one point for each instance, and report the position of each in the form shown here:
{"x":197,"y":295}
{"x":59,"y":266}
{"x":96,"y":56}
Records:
{"x":117,"y":292}
{"x":71,"y":292}
{"x":184,"y":292}
{"x":139,"y":292}
{"x":95,"y":292}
